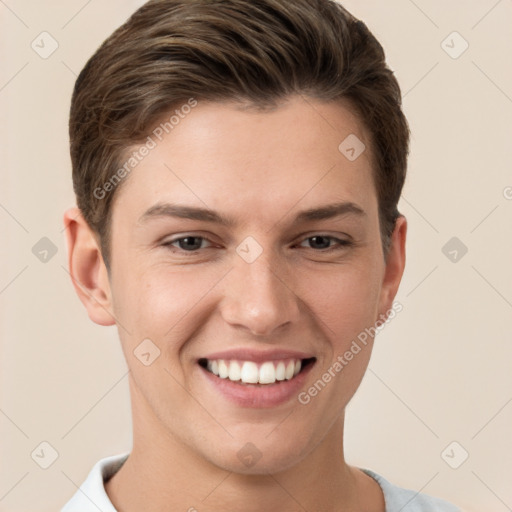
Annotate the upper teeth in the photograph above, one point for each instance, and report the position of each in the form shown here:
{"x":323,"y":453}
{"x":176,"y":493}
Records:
{"x":250,"y":373}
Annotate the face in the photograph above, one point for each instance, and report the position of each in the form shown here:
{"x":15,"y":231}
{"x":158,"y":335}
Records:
{"x":247,"y":244}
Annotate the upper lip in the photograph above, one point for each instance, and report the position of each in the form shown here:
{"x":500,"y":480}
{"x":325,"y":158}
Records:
{"x":258,"y":356}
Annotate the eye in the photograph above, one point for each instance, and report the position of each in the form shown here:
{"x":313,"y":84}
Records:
{"x":322,"y":243}
{"x":187,"y":243}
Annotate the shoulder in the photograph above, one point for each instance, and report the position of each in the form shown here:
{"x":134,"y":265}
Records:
{"x":406,"y":500}
{"x":91,"y":495}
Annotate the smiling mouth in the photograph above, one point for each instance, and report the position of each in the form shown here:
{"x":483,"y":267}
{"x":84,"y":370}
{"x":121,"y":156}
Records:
{"x":251,"y":373}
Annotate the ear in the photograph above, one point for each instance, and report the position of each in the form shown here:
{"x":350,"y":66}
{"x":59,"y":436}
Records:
{"x":395,"y":264}
{"x":87,"y":268}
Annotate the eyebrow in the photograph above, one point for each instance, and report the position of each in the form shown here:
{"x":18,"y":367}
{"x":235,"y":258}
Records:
{"x":325,"y":212}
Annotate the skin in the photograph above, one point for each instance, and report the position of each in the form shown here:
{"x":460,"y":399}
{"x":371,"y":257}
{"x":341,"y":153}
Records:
{"x":261,"y":169}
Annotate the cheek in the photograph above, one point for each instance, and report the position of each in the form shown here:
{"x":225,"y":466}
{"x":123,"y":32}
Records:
{"x":159,"y":303}
{"x":345,"y":299}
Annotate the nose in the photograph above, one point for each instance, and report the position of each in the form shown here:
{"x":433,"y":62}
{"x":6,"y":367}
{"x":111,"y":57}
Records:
{"x":258,"y":298}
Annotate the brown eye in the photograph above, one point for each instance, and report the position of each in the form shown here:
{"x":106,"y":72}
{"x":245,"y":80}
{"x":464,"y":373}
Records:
{"x":323,"y":242}
{"x":187,"y":244}
{"x":320,"y":242}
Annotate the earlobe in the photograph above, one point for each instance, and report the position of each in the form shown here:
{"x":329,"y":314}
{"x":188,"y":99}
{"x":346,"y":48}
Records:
{"x":87,"y":268}
{"x":395,"y":264}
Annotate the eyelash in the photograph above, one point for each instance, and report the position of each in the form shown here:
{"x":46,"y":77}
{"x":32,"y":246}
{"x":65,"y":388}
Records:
{"x":341,"y":244}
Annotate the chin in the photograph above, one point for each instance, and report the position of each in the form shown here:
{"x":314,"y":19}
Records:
{"x":260,"y":455}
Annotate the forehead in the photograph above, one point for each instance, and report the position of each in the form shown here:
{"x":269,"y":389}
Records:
{"x":230,"y":159}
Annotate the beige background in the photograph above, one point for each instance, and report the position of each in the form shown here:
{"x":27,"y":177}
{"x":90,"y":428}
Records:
{"x":441,"y":372}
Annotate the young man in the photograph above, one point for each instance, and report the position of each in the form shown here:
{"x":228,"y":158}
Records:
{"x":271,"y":135}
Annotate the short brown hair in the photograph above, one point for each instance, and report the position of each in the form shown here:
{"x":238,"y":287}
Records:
{"x":256,"y":53}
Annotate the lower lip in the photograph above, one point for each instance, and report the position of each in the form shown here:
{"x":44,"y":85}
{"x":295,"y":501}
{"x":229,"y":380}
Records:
{"x":259,"y":395}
